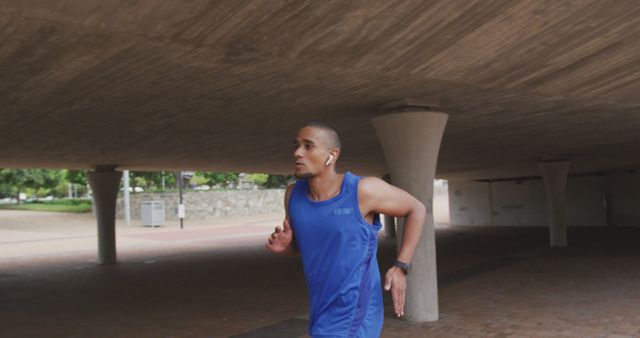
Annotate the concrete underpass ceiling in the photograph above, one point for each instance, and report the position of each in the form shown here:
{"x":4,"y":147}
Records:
{"x":223,"y":85}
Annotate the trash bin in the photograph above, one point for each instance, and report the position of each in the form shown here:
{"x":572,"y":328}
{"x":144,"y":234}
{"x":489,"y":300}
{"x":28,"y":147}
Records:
{"x":152,"y":213}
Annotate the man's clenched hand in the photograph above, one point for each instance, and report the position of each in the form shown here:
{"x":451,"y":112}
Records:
{"x":280,"y":239}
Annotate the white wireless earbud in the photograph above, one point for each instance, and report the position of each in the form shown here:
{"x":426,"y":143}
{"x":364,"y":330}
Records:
{"x":329,"y":160}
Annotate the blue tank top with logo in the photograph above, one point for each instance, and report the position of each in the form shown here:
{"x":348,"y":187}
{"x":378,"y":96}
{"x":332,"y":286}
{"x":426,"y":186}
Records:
{"x":338,"y":250}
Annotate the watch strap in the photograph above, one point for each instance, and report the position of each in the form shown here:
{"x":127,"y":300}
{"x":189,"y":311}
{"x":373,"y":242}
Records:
{"x":403,"y":266}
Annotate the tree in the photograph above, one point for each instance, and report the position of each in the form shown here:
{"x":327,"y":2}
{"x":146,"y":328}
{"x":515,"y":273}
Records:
{"x":152,"y":180}
{"x":76,"y":177}
{"x":19,"y":179}
{"x":221,"y":179}
{"x":278,"y":181}
{"x":169,"y":179}
{"x":50,"y":179}
{"x":258,"y":179}
{"x":199,"y":179}
{"x":6,"y":189}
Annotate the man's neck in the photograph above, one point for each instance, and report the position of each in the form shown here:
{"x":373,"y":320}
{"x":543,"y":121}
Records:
{"x":325,"y":185}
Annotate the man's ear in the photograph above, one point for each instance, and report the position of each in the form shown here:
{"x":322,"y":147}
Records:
{"x":336,"y":154}
{"x":329,"y":159}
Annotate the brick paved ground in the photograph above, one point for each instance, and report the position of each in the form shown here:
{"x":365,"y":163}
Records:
{"x":213,"y":280}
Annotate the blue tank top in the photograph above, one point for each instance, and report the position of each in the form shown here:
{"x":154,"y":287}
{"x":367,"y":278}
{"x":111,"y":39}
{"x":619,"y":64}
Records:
{"x":338,"y":250}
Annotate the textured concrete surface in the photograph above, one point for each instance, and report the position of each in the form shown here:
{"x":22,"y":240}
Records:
{"x":216,"y":280}
{"x":222,"y":85}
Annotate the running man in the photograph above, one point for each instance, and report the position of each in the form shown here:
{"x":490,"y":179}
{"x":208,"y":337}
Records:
{"x":332,"y":221}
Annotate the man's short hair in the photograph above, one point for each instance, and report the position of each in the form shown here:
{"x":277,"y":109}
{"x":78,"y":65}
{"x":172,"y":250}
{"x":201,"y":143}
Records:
{"x":334,"y":138}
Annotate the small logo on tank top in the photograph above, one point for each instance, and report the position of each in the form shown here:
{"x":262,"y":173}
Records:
{"x":342,"y":211}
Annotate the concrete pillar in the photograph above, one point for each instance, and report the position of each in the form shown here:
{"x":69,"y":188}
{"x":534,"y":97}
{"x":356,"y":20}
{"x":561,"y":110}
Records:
{"x":389,"y":221}
{"x":105,"y":182}
{"x":126,"y":200}
{"x":554,"y":174}
{"x":389,"y":226}
{"x":410,"y":137}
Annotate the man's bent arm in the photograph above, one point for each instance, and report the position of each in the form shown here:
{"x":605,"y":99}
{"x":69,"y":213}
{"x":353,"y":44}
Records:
{"x":376,"y":195}
{"x":413,"y":224}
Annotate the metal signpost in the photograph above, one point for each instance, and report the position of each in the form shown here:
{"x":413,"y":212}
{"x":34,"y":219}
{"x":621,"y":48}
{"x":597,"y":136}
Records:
{"x":180,"y":176}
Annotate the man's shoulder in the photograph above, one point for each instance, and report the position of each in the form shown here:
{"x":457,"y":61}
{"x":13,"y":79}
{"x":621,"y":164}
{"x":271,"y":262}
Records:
{"x":369,"y":185}
{"x":365,"y":179}
{"x":287,"y":192}
{"x":371,"y":180}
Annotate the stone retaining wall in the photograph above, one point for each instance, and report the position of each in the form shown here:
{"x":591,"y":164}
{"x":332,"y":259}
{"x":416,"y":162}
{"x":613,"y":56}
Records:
{"x":208,"y":204}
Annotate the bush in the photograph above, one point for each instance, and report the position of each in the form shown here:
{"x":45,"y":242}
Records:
{"x":61,"y":205}
{"x":64,"y":201}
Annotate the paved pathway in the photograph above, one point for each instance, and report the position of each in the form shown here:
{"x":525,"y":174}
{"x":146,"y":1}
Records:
{"x":30,"y":234}
{"x":214,"y":279}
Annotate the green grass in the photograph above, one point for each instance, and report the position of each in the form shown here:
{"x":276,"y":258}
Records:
{"x":77,"y":206}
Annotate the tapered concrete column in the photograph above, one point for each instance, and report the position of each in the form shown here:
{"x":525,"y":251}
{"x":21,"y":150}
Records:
{"x":389,"y":221}
{"x":105,"y":182}
{"x":125,"y":197}
{"x":410,"y":138}
{"x":389,"y":226}
{"x":554,"y":174}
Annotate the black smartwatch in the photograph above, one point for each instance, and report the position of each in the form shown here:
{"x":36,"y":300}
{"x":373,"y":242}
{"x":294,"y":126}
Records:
{"x":403,"y":266}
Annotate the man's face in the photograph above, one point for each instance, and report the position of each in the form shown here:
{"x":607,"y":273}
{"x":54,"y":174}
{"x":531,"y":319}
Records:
{"x":310,"y":152}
